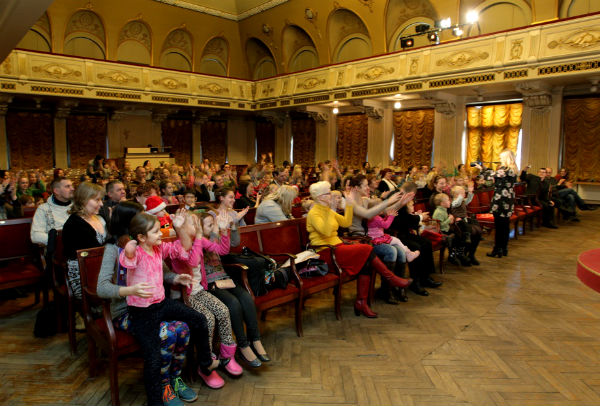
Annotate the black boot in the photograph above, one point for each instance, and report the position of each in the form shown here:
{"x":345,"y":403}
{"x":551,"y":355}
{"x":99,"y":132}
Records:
{"x":496,"y":252}
{"x":400,"y":293}
{"x":386,"y":290}
{"x":464,"y":261}
{"x":504,"y":252}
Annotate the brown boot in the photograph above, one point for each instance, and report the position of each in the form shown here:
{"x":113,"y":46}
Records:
{"x":394,"y":281}
{"x":363,"y":285}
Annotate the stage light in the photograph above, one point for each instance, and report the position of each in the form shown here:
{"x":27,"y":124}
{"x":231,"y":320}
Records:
{"x":397,"y":105}
{"x":407,"y":42}
{"x":457,"y":31}
{"x":335,"y":110}
{"x":472,"y":17}
{"x":445,"y":23}
{"x":420,"y":28}
{"x":433,"y":37}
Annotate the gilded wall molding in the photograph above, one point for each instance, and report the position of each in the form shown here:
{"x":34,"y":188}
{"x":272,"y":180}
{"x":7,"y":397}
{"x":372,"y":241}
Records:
{"x":462,"y":58}
{"x":310,"y":83}
{"x":169,"y":83}
{"x":214,"y":88}
{"x":374,"y":72}
{"x":56,"y":71}
{"x":578,"y":40}
{"x":117,"y":76}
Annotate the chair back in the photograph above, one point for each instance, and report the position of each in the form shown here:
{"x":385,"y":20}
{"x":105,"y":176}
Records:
{"x":284,"y":236}
{"x":484,"y":198}
{"x":297,"y":210}
{"x":473,"y":206}
{"x":15,"y":239}
{"x":28,"y":212}
{"x":249,"y":217}
{"x":90,"y":261}
{"x":172,"y":208}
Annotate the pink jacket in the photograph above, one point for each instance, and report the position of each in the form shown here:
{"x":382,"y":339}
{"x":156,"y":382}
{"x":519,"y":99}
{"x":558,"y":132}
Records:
{"x":149,"y":268}
{"x":377,"y":225}
{"x":196,"y":257}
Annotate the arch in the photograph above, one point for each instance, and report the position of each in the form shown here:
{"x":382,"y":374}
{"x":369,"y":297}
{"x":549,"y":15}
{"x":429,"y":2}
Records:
{"x":261,"y":62}
{"x":298,"y":49}
{"x":571,"y":8}
{"x":215,"y":57}
{"x":39,"y":36}
{"x":85,"y":35}
{"x":135,"y":43}
{"x":408,"y":28}
{"x":344,"y":26}
{"x":500,"y":15}
{"x":400,"y":12}
{"x":177,"y":50}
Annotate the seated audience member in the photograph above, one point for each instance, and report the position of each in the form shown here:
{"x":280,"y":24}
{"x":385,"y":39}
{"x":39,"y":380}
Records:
{"x":280,"y":177}
{"x":9,"y":203}
{"x":386,"y":184}
{"x":54,"y":213}
{"x":246,"y":189}
{"x":84,"y":228}
{"x":229,"y":176}
{"x":148,"y":170}
{"x":469,"y":230}
{"x":26,"y":201}
{"x":569,"y":200}
{"x":58,"y":173}
{"x":115,"y":193}
{"x":178,"y":185}
{"x":532,"y":181}
{"x":438,"y":184}
{"x":166,"y":192}
{"x":95,"y":168}
{"x":144,"y":191}
{"x":276,"y":206}
{"x":23,"y":186}
{"x":140,"y":176}
{"x":338,"y":203}
{"x":298,"y":178}
{"x":189,"y":199}
{"x":203,"y":188}
{"x":219,"y":180}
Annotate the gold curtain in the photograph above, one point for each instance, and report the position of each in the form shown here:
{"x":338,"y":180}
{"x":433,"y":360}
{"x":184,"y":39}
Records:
{"x":177,"y":134}
{"x":265,"y":137}
{"x":214,"y":141}
{"x":30,"y":139}
{"x":352,"y":139}
{"x":86,"y":138}
{"x":413,"y":137}
{"x":304,"y":132}
{"x":582,"y":138}
{"x":491,"y":129}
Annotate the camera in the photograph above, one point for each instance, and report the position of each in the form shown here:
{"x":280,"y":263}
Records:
{"x":474,"y":164}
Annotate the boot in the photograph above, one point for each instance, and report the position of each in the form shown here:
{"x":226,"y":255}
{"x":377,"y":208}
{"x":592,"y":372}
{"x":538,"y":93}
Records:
{"x":472,"y":258}
{"x":452,"y":256}
{"x":386,"y":288}
{"x":394,"y":281}
{"x":464,"y":261}
{"x":504,"y":252}
{"x":496,"y":252}
{"x":362,"y":293}
{"x":401,"y":270}
{"x":226,"y":357}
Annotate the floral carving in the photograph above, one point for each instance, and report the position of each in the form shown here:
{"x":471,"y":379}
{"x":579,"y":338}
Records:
{"x":516,"y":49}
{"x":578,"y":40}
{"x":340,"y":78}
{"x":462,"y":58}
{"x":118,"y":77}
{"x":136,"y":31}
{"x":267,"y":90}
{"x":214,"y":88}
{"x":7,"y":66}
{"x":56,"y":70}
{"x":169,"y":83}
{"x":374,"y":72}
{"x":414,"y":66}
{"x":310,"y":83}
{"x":86,"y":21}
{"x":179,"y":39}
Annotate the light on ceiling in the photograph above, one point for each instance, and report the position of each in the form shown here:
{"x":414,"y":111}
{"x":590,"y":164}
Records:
{"x":457,"y":31}
{"x":472,"y":17}
{"x":335,"y":102}
{"x":397,"y":105}
{"x":397,"y":95}
{"x":335,"y":110}
{"x":445,"y":23}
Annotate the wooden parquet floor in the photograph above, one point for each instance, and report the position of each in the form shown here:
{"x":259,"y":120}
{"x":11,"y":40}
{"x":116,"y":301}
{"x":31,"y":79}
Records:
{"x":518,"y":331}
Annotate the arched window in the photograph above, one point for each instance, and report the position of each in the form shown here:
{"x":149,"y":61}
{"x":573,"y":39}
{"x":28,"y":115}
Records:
{"x":571,"y":8}
{"x":261,"y":62}
{"x":135,"y":43}
{"x":177,"y":51}
{"x":500,"y":15}
{"x":85,"y":36}
{"x":298,"y":49}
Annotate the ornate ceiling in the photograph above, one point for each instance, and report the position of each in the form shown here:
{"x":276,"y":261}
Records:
{"x":231,"y":9}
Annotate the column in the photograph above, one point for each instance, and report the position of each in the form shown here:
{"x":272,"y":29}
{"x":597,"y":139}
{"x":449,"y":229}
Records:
{"x":326,"y":128}
{"x":60,"y":137}
{"x":197,"y":138}
{"x":541,"y":130}
{"x":447,"y":140}
{"x":4,"y":101}
{"x":378,"y":142}
{"x":113,"y":130}
{"x":157,"y":119}
{"x":283,"y":139}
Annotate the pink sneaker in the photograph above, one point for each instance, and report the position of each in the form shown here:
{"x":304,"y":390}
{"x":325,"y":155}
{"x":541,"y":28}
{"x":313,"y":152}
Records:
{"x":213,"y":381}
{"x":412,"y":255}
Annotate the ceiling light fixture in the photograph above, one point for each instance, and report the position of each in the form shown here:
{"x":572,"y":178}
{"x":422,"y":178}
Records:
{"x":407,"y":42}
{"x":472,"y":17}
{"x":445,"y":23}
{"x":457,"y":31}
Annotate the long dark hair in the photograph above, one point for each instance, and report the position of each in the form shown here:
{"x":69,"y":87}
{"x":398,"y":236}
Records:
{"x":121,"y":216}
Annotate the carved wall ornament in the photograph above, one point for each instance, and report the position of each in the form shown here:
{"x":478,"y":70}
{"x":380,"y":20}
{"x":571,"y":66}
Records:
{"x":118,"y":77}
{"x":242,"y":91}
{"x":267,"y":90}
{"x":367,"y":3}
{"x":373,"y":112}
{"x":86,"y":21}
{"x":56,"y":70}
{"x":516,"y":49}
{"x":179,"y":39}
{"x":253,"y":89}
{"x":284,"y":86}
{"x":214,"y":88}
{"x":374,"y":72}
{"x":136,"y":31}
{"x":7,"y":66}
{"x":541,"y":101}
{"x":169,"y":83}
{"x":448,"y":109}
{"x":340,"y":78}
{"x":462,"y":58}
{"x":310,"y":83}
{"x":320,"y":118}
{"x":577,"y":40}
{"x":414,"y":66}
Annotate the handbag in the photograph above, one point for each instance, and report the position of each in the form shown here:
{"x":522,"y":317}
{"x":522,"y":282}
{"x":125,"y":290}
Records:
{"x":314,"y":267}
{"x":261,"y":270}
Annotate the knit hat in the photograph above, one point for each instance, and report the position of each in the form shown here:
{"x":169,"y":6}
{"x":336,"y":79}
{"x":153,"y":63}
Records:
{"x":154,"y":205}
{"x":319,"y":188}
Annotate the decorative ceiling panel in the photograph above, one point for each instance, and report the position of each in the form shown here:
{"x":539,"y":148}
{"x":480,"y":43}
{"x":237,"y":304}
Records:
{"x":231,"y":9}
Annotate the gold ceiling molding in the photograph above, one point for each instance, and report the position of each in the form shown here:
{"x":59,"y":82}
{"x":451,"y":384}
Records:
{"x":118,"y":77}
{"x":310,"y":83}
{"x":577,"y":40}
{"x":169,"y":83}
{"x":214,"y":88}
{"x":462,"y":58}
{"x":56,"y":70}
{"x":191,"y":5}
{"x":374,"y":72}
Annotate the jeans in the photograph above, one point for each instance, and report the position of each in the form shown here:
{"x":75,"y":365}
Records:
{"x":571,"y":199}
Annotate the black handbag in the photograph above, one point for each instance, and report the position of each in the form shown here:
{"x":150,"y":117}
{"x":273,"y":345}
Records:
{"x":261,"y":270}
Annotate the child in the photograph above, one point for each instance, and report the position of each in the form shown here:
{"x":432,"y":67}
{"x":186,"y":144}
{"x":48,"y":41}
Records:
{"x":441,"y":202}
{"x":166,"y":192}
{"x":469,"y":228}
{"x":203,"y":302}
{"x":143,"y":259}
{"x":189,"y":199}
{"x":376,"y":227}
{"x":156,"y":207}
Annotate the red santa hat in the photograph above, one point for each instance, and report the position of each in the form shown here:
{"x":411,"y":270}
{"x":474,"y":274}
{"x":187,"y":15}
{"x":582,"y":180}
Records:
{"x":154,"y":205}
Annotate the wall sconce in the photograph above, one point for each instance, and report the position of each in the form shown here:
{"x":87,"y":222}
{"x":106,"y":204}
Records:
{"x":335,"y":110}
{"x":397,"y":105}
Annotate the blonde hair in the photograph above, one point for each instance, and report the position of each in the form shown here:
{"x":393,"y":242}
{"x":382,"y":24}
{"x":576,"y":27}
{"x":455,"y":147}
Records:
{"x":456,"y":190}
{"x":507,"y":157}
{"x":284,"y":196}
{"x":439,"y":198}
{"x":84,"y":193}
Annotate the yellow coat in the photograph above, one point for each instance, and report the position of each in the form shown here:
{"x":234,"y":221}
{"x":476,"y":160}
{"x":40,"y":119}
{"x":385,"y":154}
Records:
{"x":322,"y":224}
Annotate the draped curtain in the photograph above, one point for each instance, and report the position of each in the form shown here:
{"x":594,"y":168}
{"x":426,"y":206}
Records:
{"x":413,"y":137}
{"x":30,"y":139}
{"x":265,"y":137}
{"x":86,"y":138}
{"x":491,"y":129}
{"x":214,"y":141}
{"x":177,"y":134}
{"x":304,"y":133}
{"x":582,"y":138}
{"x":352,"y":139}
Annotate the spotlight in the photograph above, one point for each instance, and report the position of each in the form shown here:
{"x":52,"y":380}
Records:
{"x":433,"y":37}
{"x":445,"y":23}
{"x":407,"y":42}
{"x":397,"y":105}
{"x":420,"y":28}
{"x":457,"y":31}
{"x":335,"y":110}
{"x":472,"y":17}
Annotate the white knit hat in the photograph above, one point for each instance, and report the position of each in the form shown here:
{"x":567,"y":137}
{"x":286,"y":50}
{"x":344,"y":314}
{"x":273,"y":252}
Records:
{"x":319,"y":188}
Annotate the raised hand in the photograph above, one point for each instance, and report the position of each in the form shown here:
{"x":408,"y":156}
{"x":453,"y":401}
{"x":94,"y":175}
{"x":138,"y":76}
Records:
{"x":407,"y":197}
{"x":179,"y":217}
{"x":242,"y":213}
{"x":130,"y":248}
